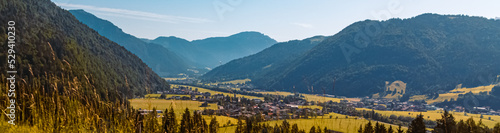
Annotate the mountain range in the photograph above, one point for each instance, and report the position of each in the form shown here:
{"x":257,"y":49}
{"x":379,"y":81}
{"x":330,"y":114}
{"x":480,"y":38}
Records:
{"x":162,"y":60}
{"x":214,"y":51}
{"x":429,"y":52}
{"x":267,"y":60}
{"x":170,"y":56}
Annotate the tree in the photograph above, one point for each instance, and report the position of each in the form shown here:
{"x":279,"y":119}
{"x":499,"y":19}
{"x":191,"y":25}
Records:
{"x":313,"y":130}
{"x":446,"y":124}
{"x":390,"y":130}
{"x":481,"y":127}
{"x":462,"y":127}
{"x":380,"y":128}
{"x":496,"y":129}
{"x":417,"y":125}
{"x":169,"y":121}
{"x":360,"y":130}
{"x":173,"y":121}
{"x":400,"y":129}
{"x":285,"y":126}
{"x":472,"y":127}
{"x":325,"y":130}
{"x":214,"y":125}
{"x":185,"y":122}
{"x":152,"y":122}
{"x":295,"y":128}
{"x":368,"y":128}
{"x":239,"y":127}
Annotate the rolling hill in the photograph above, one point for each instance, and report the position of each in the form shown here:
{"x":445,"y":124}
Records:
{"x":267,"y":60}
{"x":214,"y":51}
{"x":69,"y":78}
{"x":163,"y":61}
{"x":429,"y":52}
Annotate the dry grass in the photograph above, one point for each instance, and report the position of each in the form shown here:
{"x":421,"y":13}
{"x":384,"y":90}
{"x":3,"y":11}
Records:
{"x":174,"y":79}
{"x":433,"y":115}
{"x":453,"y":94}
{"x":179,"y":107}
{"x":338,"y":122}
{"x":398,"y":86}
{"x":238,"y":81}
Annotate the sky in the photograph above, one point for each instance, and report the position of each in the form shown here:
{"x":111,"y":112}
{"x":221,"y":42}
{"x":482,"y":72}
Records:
{"x":282,"y":20}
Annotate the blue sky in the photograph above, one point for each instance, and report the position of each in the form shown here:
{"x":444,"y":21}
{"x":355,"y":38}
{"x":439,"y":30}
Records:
{"x":282,"y":20}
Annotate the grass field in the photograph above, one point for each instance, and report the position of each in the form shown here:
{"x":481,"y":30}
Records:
{"x":433,"y":115}
{"x":349,"y":125}
{"x":166,"y":95}
{"x":8,"y":128}
{"x":217,"y":92}
{"x":311,"y":107}
{"x":238,"y":81}
{"x":399,"y":87}
{"x":453,"y":94}
{"x":179,"y":108}
{"x":174,"y":79}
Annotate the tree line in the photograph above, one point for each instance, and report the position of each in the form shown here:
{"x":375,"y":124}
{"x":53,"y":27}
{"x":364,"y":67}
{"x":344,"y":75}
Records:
{"x":446,"y":124}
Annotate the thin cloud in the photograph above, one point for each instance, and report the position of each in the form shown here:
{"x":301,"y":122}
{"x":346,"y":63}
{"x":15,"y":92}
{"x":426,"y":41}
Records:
{"x":302,"y":25}
{"x":136,"y":14}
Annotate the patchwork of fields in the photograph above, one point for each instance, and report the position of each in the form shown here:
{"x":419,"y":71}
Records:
{"x":453,"y":94}
{"x":179,"y":107}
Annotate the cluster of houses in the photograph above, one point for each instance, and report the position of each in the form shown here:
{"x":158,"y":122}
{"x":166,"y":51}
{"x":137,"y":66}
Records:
{"x":233,"y":106}
{"x":391,"y":105}
{"x":267,"y":110}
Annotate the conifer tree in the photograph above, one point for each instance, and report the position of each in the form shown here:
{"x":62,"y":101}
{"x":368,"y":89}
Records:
{"x":368,"y":128}
{"x":400,"y":129}
{"x":166,"y":121}
{"x":295,"y":128}
{"x":312,"y":130}
{"x":285,"y":127}
{"x":417,"y":125}
{"x":390,"y":130}
{"x":239,"y":127}
{"x":185,"y":122}
{"x":173,"y":121}
{"x":360,"y":130}
{"x":472,"y":127}
{"x":446,"y":124}
{"x":462,"y":127}
{"x":496,"y":129}
{"x":214,"y":125}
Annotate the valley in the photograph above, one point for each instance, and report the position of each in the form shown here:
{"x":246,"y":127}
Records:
{"x":248,"y":67}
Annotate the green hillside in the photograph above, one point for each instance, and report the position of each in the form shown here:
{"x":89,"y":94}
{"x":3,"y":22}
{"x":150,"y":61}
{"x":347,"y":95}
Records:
{"x":430,"y":52}
{"x":69,"y":78}
{"x":163,"y":61}
{"x":267,"y":60}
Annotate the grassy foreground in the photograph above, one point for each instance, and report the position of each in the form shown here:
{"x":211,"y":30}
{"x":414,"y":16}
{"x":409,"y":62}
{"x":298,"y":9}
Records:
{"x":179,"y":107}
